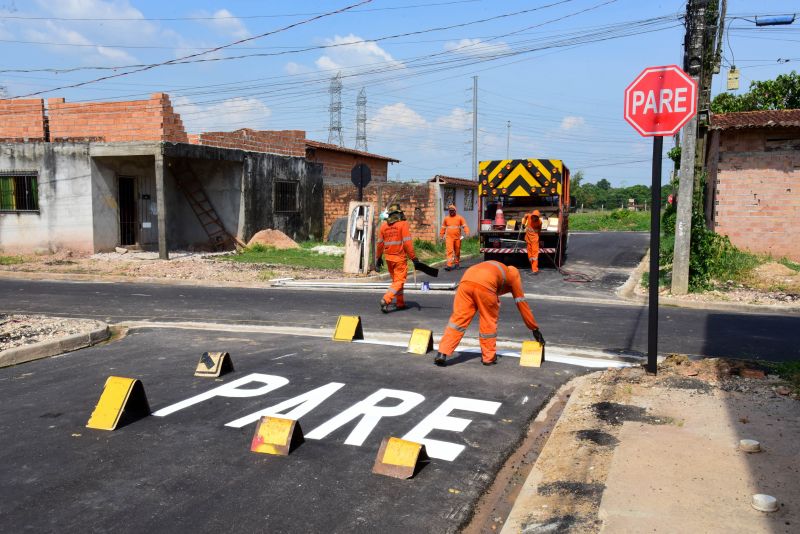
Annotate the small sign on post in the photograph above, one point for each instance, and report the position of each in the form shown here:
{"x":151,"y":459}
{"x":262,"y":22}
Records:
{"x":658,"y":103}
{"x":361,"y":176}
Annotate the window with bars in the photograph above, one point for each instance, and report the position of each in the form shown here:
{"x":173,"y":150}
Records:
{"x":19,"y":191}
{"x":286,"y":197}
{"x":449,"y":196}
{"x":469,"y":199}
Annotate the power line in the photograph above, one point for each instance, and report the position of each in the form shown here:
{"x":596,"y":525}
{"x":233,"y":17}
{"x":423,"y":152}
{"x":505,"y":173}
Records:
{"x":221,"y":47}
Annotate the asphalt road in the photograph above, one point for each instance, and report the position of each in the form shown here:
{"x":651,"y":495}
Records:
{"x":610,"y":327}
{"x":189,"y":472}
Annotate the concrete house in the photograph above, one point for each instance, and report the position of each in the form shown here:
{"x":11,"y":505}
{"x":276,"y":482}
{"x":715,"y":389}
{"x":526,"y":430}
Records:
{"x":92,"y":176}
{"x":753,"y":186}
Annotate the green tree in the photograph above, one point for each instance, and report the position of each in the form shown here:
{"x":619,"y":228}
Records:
{"x":781,"y":93}
{"x":604,"y":184}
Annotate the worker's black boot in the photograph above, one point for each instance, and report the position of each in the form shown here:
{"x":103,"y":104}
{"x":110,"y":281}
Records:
{"x":440,"y":359}
{"x":491,"y":362}
{"x":384,"y":306}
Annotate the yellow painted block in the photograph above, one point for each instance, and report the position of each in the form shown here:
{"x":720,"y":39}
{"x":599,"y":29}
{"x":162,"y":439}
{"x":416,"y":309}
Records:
{"x":401,"y":452}
{"x":214,"y":364}
{"x":532,"y":354}
{"x":348,"y":328}
{"x":276,"y":435}
{"x":421,"y":341}
{"x":119,"y":394}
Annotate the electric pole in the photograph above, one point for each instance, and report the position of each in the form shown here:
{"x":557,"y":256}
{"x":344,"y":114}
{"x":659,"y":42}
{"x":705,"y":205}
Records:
{"x":698,"y":60}
{"x":361,"y":120}
{"x":508,"y":141}
{"x":474,"y":128}
{"x":335,"y":124}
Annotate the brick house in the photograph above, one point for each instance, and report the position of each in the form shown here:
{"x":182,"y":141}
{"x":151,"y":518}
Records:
{"x":337,"y":162}
{"x":95,"y":175}
{"x":753,"y":186}
{"x":424,"y":203}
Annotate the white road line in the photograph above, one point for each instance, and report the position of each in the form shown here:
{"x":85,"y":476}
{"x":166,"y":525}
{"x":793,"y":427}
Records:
{"x":284,"y":356}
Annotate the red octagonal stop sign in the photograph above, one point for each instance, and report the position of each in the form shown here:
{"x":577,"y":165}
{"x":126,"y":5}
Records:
{"x":660,"y":100}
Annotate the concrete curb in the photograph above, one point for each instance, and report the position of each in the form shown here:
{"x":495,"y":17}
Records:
{"x":45,"y":349}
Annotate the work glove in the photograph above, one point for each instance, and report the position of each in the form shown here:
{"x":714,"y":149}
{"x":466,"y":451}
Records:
{"x":537,"y":335}
{"x":379,"y":264}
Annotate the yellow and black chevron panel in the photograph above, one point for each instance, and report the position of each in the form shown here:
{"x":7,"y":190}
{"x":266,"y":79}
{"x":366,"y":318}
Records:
{"x":520,"y":177}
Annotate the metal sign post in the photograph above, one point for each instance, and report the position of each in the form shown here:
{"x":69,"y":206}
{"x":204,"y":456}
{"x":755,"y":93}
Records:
{"x":658,"y":103}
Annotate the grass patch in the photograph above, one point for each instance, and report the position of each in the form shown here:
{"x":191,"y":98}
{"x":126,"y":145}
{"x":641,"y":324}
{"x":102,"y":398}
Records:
{"x":11,"y":260}
{"x":610,"y":221}
{"x":430,"y":252}
{"x":790,"y":264}
{"x":789,"y":371}
{"x":302,"y":257}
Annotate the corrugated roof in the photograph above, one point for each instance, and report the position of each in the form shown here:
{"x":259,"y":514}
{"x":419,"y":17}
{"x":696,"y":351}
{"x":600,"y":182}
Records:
{"x":454,"y":181}
{"x":328,"y":146}
{"x":774,"y":118}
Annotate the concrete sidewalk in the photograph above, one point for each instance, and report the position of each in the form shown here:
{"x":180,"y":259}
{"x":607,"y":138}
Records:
{"x":636,"y":453}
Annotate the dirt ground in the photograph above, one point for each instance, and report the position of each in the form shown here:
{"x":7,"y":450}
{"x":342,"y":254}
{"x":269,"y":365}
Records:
{"x":624,"y":433}
{"x":182,"y":266}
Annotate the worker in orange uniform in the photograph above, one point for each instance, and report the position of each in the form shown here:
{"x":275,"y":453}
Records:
{"x":479,"y":291}
{"x":394,"y":238}
{"x":452,"y":225}
{"x":533,"y":227}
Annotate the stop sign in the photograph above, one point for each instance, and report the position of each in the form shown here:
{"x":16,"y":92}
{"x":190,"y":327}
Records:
{"x":660,"y":100}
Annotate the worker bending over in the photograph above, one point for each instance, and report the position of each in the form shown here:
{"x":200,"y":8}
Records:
{"x":479,"y":291}
{"x":394,"y":238}
{"x":533,"y":227}
{"x":452,"y":225}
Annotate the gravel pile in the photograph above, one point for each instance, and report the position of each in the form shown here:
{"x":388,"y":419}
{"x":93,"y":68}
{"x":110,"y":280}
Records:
{"x":19,"y":330}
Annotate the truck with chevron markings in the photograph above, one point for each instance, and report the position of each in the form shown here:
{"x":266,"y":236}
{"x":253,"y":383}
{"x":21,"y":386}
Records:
{"x":510,"y":189}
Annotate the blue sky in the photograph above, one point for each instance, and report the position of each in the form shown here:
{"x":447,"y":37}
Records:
{"x":556,"y":69}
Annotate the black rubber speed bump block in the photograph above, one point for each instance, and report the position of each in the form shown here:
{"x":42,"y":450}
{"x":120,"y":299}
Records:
{"x":399,"y":458}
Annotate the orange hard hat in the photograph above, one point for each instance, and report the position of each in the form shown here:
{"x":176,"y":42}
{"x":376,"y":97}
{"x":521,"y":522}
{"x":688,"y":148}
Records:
{"x":451,"y":207}
{"x":536,"y":213}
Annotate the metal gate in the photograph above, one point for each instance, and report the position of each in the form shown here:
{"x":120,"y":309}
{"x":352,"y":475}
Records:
{"x":128,"y":220}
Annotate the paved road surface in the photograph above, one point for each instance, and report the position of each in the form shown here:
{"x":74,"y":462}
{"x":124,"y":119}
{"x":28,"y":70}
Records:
{"x":188,"y":472}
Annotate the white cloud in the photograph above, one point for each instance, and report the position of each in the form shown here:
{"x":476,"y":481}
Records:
{"x":55,"y":33}
{"x":293,"y":68}
{"x":355,"y":53}
{"x":225,"y":23}
{"x":227,"y":115}
{"x":477,"y":48}
{"x":570,"y":123}
{"x":458,"y":119}
{"x":396,"y":117}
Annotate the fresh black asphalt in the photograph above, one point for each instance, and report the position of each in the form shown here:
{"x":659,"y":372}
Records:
{"x":188,"y":472}
{"x":608,"y":327}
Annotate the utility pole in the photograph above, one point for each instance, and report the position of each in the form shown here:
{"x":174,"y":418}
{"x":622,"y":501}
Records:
{"x":361,"y":120}
{"x":335,"y":124}
{"x":474,"y":128}
{"x":698,"y":62}
{"x":508,"y":141}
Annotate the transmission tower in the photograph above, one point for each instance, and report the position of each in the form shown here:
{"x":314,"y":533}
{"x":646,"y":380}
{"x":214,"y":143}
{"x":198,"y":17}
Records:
{"x":361,"y":120}
{"x":335,"y":128}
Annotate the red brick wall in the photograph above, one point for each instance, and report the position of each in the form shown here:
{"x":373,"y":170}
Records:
{"x":283,"y":142}
{"x":22,"y":119}
{"x":135,"y":120}
{"x":336,"y":166}
{"x":758,"y":190}
{"x":416,"y":200}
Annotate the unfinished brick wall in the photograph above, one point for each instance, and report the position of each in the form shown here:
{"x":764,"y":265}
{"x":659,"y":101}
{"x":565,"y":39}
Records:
{"x":22,"y":119}
{"x":416,"y":200}
{"x":758,"y":190}
{"x":282,"y":142}
{"x":134,"y":120}
{"x":337,"y":166}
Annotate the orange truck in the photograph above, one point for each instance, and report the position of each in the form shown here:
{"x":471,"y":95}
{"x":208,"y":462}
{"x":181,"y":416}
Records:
{"x":510,"y":189}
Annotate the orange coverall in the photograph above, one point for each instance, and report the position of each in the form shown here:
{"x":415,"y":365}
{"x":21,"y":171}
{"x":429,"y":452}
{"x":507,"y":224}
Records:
{"x":395,"y":240}
{"x":479,"y":290}
{"x":451,"y":231}
{"x":533,"y":227}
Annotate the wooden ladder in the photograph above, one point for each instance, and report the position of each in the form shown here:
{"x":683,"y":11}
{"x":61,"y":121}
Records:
{"x":188,"y":182}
